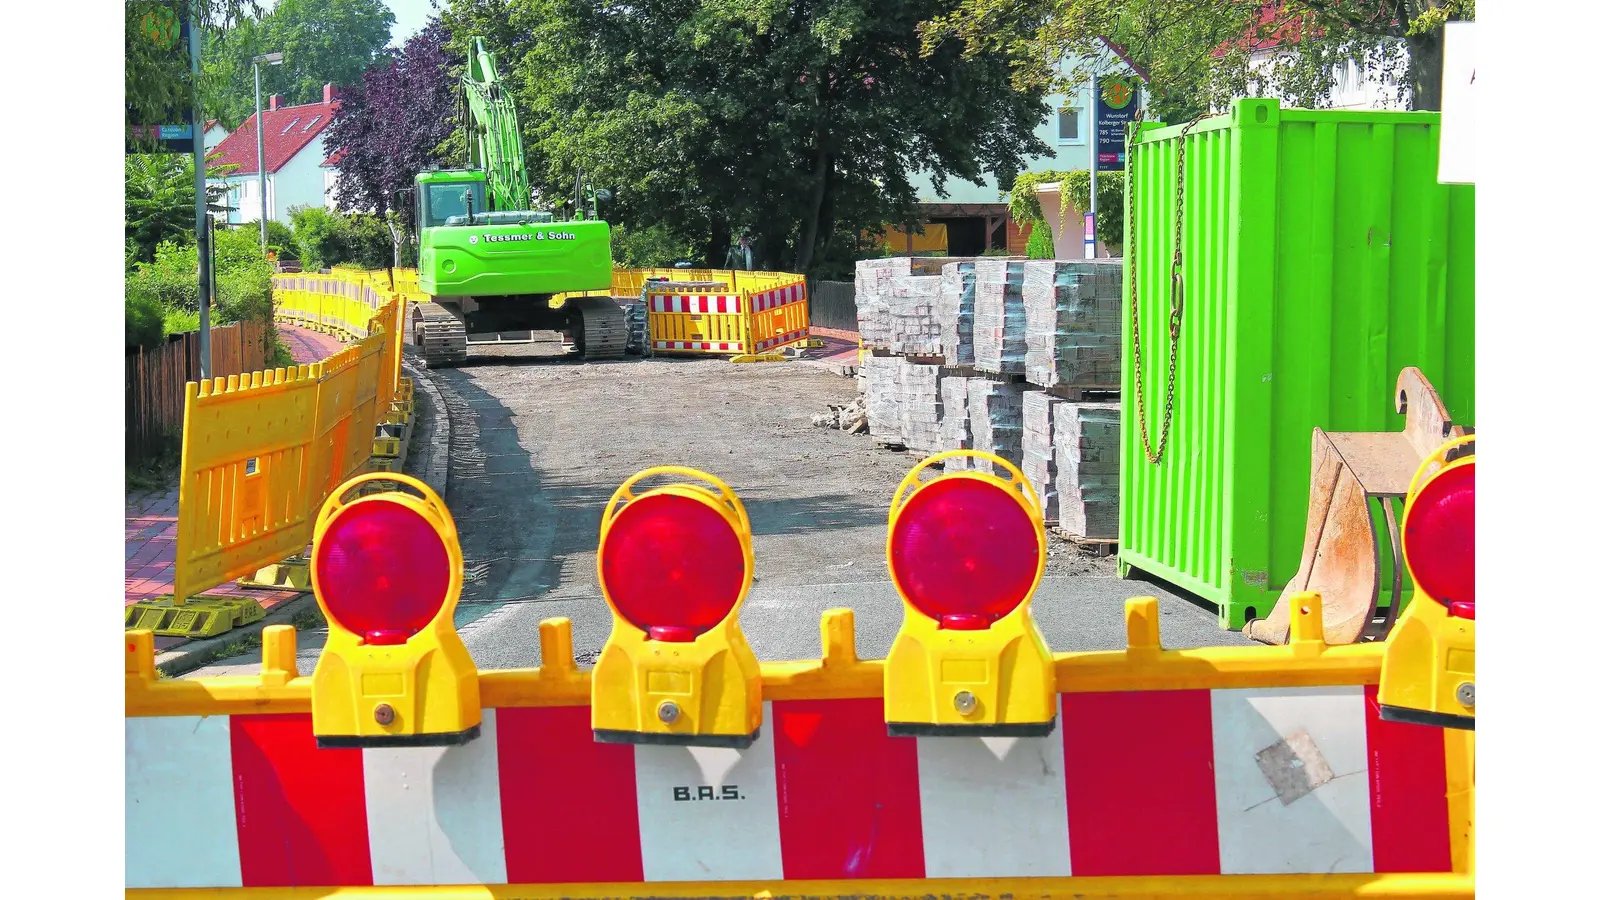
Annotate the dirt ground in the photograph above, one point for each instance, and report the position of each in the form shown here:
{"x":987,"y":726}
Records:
{"x":539,"y":443}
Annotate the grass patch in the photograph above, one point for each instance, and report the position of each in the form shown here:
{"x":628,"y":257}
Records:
{"x":157,"y":472}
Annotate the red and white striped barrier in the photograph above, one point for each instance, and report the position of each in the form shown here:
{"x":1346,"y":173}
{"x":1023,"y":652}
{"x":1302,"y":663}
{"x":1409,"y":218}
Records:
{"x":783,"y":296}
{"x":781,"y":339}
{"x":704,"y":304}
{"x":1258,"y":780}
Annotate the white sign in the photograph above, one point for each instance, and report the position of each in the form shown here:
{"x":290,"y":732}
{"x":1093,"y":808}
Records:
{"x":1458,"y":102}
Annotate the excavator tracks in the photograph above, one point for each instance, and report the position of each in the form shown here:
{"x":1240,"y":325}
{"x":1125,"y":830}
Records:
{"x":440,"y":334}
{"x":599,"y":328}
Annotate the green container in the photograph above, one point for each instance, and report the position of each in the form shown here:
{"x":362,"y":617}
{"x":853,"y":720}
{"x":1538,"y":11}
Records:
{"x":1320,"y":257}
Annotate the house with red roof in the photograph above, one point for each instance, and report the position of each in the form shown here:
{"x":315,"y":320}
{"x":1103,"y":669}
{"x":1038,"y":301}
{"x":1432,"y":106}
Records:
{"x":294,"y":155}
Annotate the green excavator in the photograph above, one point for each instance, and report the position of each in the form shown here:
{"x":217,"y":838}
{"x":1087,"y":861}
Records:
{"x":490,"y":263}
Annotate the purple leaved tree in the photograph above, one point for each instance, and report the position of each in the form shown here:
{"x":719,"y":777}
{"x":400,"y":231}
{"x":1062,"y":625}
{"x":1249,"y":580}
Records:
{"x":390,"y":128}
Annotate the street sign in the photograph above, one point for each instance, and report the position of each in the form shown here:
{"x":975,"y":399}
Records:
{"x":168,"y":30}
{"x":1115,"y":108}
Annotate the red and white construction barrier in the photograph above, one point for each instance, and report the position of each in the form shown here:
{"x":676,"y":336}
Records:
{"x":783,"y":296}
{"x":704,"y":304}
{"x":1272,"y":780}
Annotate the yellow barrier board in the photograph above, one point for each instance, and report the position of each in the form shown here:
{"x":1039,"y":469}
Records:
{"x":243,"y":499}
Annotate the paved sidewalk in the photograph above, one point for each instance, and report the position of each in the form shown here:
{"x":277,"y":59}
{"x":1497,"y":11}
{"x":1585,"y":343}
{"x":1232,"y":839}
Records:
{"x":150,"y":520}
{"x":839,"y":351}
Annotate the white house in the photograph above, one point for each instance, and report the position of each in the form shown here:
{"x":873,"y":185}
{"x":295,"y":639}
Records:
{"x":213,"y":134}
{"x":976,"y":217}
{"x":294,"y":150}
{"x":1354,"y":86}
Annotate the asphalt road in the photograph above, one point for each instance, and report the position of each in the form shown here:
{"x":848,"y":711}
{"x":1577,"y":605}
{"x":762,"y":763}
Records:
{"x":538,"y":445}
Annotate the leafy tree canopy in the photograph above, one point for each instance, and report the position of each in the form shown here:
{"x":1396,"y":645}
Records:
{"x":322,"y":42}
{"x":1195,"y":53}
{"x":156,"y":77}
{"x":158,"y":201}
{"x":391,"y":127}
{"x":800,"y":123}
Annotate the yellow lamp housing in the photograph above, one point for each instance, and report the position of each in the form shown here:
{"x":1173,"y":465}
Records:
{"x":1429,"y":663}
{"x":966,"y":551}
{"x":386,"y":569}
{"x":675,"y":564}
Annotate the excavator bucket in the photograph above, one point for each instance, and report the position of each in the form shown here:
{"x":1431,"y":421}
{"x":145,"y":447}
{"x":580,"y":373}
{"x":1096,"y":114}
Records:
{"x":1344,"y":547}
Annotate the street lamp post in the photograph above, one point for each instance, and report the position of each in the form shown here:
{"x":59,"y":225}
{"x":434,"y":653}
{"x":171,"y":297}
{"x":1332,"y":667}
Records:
{"x":271,"y":59}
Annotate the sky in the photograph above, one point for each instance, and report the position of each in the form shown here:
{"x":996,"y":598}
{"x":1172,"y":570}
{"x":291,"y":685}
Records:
{"x":409,"y":17}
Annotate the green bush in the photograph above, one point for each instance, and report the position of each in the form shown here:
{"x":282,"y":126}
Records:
{"x":319,"y":236}
{"x":647,"y":248}
{"x":370,"y":245}
{"x":280,"y":236}
{"x":143,"y":323}
{"x":1108,"y":224}
{"x":167,"y":289}
{"x":1041,"y":244}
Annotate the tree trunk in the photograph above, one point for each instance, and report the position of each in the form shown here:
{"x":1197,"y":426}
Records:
{"x":806,"y":251}
{"x":717,"y":247}
{"x":1426,"y":69}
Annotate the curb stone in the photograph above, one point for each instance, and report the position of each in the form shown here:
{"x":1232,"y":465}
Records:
{"x":432,"y":427}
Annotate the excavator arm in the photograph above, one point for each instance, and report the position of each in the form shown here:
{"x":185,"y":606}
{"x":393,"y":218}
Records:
{"x":494,"y":139}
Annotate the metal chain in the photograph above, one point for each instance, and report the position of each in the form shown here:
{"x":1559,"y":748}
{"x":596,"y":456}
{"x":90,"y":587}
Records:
{"x":1175,"y":318}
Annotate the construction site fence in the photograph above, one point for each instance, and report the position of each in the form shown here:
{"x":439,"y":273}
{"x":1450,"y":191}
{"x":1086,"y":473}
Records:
{"x":263,"y":449}
{"x":1216,"y":772}
{"x":154,"y":381}
{"x":743,"y":313}
{"x":833,"y":305}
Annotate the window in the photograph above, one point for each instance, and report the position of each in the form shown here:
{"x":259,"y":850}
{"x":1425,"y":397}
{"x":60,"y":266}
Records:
{"x":446,"y":200}
{"x":310,"y":124}
{"x":291,"y":124}
{"x":1067,"y":124}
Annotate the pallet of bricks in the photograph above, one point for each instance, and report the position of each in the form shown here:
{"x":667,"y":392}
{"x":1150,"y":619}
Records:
{"x":1021,"y":359}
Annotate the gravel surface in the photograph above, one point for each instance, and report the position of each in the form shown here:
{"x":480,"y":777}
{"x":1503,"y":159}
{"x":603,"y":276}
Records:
{"x":539,"y":443}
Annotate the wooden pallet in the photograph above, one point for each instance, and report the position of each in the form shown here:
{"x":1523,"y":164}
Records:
{"x":1092,"y":393}
{"x":1098,"y":547}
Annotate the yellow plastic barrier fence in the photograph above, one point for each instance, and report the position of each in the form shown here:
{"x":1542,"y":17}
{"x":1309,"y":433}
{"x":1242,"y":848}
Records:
{"x":243,"y":497}
{"x":261,"y":451}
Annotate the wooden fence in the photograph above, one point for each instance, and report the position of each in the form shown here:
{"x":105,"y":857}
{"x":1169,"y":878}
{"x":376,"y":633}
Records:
{"x":833,"y":305}
{"x":155,"y":381}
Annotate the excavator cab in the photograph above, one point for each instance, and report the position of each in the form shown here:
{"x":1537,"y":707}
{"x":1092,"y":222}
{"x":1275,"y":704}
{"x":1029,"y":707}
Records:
{"x":446,"y":194}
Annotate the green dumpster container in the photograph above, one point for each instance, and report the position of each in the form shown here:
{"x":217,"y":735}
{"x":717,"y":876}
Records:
{"x":1320,"y":257}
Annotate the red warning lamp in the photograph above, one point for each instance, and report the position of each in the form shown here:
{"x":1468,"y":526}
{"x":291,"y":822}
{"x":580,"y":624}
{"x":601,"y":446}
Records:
{"x":675,"y":563}
{"x":964,"y":552}
{"x":1439,"y":540}
{"x":673,"y":566}
{"x":386,"y":569}
{"x":1430,"y":657}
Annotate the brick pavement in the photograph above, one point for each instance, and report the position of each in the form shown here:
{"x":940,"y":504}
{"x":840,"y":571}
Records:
{"x":150,"y":521}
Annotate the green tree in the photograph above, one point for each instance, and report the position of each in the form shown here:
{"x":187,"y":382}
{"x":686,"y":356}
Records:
{"x":322,"y":42}
{"x":157,"y":82}
{"x":803,"y":123}
{"x":1194,"y":54}
{"x":158,"y":201}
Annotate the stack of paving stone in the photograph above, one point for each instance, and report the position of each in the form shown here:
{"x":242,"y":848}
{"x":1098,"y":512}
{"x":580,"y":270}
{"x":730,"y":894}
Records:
{"x":994,"y":409}
{"x":955,"y":431}
{"x":913,"y":328}
{"x":1039,"y":451}
{"x":1074,"y":322}
{"x":882,"y":378}
{"x":874,"y":279}
{"x":1088,"y":452}
{"x":920,"y":405}
{"x":957,"y":294}
{"x":1000,"y":320}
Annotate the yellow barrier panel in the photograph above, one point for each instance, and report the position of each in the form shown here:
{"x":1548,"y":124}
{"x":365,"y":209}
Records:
{"x":243,"y":497}
{"x":757,"y":313}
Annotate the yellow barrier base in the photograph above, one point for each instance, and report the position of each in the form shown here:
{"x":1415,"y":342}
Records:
{"x":204,"y":616}
{"x":385,"y":447}
{"x":759,"y":357}
{"x":293,"y":574}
